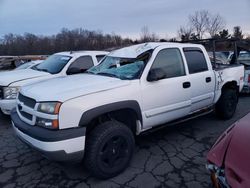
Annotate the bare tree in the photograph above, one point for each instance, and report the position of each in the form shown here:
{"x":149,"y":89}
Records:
{"x":199,"y":21}
{"x":185,"y":33}
{"x":145,"y":33}
{"x":203,"y":23}
{"x":215,"y":24}
{"x":147,"y":36}
{"x":66,"y":40}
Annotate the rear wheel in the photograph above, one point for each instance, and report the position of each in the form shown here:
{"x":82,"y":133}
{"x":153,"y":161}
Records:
{"x":109,"y":149}
{"x":226,"y":106}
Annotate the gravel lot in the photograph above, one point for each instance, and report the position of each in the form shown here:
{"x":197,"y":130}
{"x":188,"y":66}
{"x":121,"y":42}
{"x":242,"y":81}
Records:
{"x":171,"y":157}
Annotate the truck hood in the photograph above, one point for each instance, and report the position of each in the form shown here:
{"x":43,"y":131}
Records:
{"x":68,"y":87}
{"x":9,"y":77}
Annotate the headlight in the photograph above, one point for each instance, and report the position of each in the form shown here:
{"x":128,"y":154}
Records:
{"x":10,"y":92}
{"x":49,"y":107}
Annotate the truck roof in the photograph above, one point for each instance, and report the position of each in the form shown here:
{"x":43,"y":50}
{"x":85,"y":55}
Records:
{"x":135,"y":50}
{"x":80,"y":53}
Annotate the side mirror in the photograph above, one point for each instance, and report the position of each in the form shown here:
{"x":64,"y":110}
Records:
{"x":155,"y":75}
{"x":74,"y":70}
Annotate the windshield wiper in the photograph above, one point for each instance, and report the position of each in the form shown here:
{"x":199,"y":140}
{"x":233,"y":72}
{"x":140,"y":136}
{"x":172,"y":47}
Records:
{"x":34,"y":68}
{"x":44,"y":70}
{"x":89,"y":72}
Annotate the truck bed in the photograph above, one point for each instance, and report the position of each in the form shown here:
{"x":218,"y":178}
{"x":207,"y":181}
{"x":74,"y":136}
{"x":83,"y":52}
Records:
{"x":218,"y":67}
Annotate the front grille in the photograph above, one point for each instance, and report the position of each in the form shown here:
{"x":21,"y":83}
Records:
{"x":26,"y":115}
{"x":1,"y":92}
{"x":27,"y":101}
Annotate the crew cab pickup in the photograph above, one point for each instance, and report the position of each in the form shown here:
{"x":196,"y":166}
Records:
{"x":96,"y":115}
{"x":59,"y":64}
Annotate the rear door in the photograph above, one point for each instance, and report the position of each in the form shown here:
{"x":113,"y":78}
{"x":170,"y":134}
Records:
{"x":201,"y":78}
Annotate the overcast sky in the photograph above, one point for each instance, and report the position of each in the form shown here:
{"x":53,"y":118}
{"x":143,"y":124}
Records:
{"x":125,"y":17}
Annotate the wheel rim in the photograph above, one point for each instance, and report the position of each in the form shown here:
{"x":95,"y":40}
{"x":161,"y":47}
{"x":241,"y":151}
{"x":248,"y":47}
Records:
{"x":114,"y":152}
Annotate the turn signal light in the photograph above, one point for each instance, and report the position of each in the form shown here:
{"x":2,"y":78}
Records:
{"x":55,"y":124}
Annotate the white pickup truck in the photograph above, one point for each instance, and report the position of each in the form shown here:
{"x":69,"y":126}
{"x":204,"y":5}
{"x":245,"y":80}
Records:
{"x":59,"y":64}
{"x":96,"y":115}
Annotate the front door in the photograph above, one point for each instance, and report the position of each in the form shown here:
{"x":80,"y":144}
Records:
{"x":167,"y":98}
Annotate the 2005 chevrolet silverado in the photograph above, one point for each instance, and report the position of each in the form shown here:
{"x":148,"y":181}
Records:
{"x":96,"y":115}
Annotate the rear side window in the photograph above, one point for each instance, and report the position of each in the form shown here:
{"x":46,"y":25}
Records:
{"x":170,"y":62}
{"x":195,"y":60}
{"x":83,"y":63}
{"x":99,"y":57}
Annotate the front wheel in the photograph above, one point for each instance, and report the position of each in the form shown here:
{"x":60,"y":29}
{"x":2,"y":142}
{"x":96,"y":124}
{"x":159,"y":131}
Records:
{"x":109,"y":149}
{"x":226,"y":106}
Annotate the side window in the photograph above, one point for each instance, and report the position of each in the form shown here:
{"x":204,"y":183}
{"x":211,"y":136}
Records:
{"x":170,"y":62}
{"x":195,"y":60}
{"x":83,"y":63}
{"x":99,"y":57}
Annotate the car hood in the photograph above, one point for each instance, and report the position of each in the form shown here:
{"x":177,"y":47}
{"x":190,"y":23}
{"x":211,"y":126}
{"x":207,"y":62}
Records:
{"x":233,"y":153}
{"x":68,"y":87}
{"x":9,"y":77}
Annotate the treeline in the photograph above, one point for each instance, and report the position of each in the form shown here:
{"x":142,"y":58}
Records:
{"x":77,"y":39}
{"x":200,"y":25}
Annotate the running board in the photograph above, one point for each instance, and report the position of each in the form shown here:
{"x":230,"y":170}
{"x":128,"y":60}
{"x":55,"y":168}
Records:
{"x":181,"y":120}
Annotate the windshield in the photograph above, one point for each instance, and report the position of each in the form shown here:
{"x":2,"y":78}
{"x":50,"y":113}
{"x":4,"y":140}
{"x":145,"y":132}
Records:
{"x":24,"y":66}
{"x":122,"y":68}
{"x":53,"y":64}
{"x":244,"y":55}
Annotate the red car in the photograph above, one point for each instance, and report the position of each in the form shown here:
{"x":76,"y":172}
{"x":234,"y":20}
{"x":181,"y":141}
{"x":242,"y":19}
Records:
{"x":229,"y":158}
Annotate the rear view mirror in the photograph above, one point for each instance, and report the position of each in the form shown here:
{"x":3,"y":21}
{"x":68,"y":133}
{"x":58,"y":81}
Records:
{"x":155,"y":75}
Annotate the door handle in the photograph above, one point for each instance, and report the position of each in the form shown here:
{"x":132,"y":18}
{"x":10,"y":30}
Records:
{"x":208,"y":79}
{"x":186,"y":85}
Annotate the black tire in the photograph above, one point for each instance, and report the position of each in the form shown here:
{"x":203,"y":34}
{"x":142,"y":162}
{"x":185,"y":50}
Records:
{"x":226,"y":106}
{"x":109,"y":149}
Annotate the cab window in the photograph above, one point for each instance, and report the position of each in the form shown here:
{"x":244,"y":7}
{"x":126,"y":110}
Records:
{"x":195,"y":60}
{"x":82,"y":63}
{"x":100,"y":57}
{"x":169,"y":62}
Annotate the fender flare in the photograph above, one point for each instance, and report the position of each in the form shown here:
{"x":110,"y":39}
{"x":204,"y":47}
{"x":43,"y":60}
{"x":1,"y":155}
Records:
{"x":89,"y":115}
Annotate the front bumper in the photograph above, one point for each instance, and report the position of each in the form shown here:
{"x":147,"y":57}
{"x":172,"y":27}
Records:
{"x":58,"y":145}
{"x":7,"y":105}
